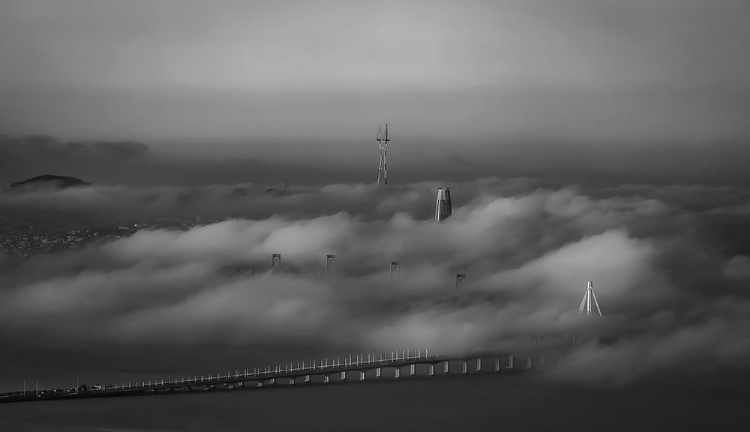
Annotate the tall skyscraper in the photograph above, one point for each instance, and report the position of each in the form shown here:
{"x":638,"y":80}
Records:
{"x":443,"y":204}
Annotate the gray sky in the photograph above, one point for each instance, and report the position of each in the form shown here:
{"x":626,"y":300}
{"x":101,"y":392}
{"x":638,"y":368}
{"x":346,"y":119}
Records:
{"x":279,"y":79}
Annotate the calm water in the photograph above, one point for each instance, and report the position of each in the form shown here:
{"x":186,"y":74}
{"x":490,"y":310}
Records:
{"x":473,"y":403}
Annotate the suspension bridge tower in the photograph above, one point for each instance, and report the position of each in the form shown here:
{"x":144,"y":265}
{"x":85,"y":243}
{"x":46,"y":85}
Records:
{"x":383,"y":140}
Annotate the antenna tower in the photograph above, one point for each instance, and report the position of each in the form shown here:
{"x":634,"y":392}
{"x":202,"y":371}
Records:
{"x":382,"y":140}
{"x":587,"y":299}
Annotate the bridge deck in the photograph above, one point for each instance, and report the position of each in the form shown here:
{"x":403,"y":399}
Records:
{"x":267,"y":376}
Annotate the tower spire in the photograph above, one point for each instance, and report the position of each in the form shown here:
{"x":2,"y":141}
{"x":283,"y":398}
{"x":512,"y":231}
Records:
{"x":588,"y":297}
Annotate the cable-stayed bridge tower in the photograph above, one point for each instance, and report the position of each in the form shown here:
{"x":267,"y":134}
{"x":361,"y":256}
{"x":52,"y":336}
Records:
{"x":383,"y":140}
{"x":587,"y":299}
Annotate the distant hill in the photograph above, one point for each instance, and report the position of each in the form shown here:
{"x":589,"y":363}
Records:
{"x":54,"y":181}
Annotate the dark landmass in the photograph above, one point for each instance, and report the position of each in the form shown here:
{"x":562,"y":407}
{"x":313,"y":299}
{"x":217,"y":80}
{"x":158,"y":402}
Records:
{"x":48,"y":180}
{"x":25,"y":239}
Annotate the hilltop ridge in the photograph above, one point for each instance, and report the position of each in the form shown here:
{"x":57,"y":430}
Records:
{"x":56,"y":181}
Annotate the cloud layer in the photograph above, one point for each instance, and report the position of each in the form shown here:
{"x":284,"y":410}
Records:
{"x":672,"y":292}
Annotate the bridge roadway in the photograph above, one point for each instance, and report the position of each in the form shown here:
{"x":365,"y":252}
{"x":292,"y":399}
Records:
{"x":334,"y":370}
{"x":337,"y":370}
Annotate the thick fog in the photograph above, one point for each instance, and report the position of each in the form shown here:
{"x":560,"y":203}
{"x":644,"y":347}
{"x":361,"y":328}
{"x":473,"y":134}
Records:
{"x":670,"y":267}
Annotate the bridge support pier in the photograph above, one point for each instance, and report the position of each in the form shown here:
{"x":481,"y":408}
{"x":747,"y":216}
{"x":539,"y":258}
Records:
{"x":361,"y":376}
{"x":446,"y":367}
{"x":412,"y":369}
{"x":432,"y":370}
{"x":397,"y":373}
{"x":510,"y":362}
{"x":291,"y":381}
{"x":378,"y":373}
{"x":343,"y":376}
{"x":479,"y":364}
{"x":260,"y":384}
{"x":528,"y":363}
{"x":326,"y":378}
{"x":497,"y":364}
{"x":307,"y":378}
{"x":464,"y":367}
{"x":272,"y":381}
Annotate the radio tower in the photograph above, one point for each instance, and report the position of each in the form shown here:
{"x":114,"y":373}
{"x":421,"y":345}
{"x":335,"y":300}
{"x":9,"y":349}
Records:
{"x":383,"y":140}
{"x":586,"y":302}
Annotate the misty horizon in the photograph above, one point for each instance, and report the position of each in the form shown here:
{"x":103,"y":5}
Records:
{"x":139,"y":164}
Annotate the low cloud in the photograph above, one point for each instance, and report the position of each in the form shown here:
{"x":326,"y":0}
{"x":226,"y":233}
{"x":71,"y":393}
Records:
{"x":672,"y":293}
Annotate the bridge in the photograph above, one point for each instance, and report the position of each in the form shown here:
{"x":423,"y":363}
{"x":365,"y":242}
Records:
{"x":355,"y":368}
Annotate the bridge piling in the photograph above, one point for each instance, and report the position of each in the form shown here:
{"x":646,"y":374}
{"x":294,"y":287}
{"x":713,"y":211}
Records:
{"x":446,"y":367}
{"x":361,"y":376}
{"x":432,"y":370}
{"x":510,"y":362}
{"x":464,"y":367}
{"x":497,"y":364}
{"x":479,"y":364}
{"x":397,"y":373}
{"x":343,"y":376}
{"x":377,"y":373}
{"x":412,"y":369}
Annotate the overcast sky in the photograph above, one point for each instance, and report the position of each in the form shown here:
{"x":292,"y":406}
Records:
{"x":325,"y":73}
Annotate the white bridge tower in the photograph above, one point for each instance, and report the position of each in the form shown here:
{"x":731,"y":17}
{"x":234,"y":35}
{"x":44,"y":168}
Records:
{"x":588,"y":297}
